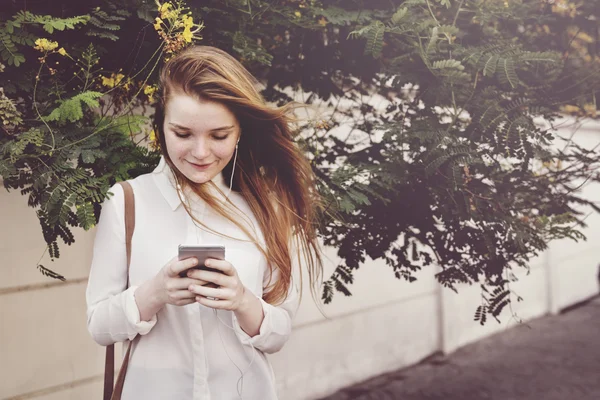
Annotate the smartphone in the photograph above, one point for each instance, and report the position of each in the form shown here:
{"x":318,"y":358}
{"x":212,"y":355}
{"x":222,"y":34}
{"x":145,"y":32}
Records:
{"x":201,"y":252}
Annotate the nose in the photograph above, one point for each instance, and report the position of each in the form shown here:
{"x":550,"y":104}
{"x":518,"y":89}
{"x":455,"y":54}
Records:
{"x":200,"y":149}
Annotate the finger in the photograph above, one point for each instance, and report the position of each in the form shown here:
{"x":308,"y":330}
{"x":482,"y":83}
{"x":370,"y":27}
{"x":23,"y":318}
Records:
{"x":219,"y":293}
{"x":180,"y":295}
{"x":185,"y":302}
{"x":184,"y":283}
{"x":217,"y":304}
{"x":178,"y":266}
{"x":222,"y":265}
{"x":217,"y":278}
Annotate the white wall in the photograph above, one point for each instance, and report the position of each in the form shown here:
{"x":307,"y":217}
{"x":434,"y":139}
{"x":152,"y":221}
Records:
{"x":46,"y":352}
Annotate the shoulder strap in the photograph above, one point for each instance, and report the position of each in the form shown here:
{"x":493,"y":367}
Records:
{"x":129,"y":221}
{"x":109,"y":365}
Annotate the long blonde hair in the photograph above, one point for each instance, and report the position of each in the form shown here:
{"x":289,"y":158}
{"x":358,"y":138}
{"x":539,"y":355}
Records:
{"x":275,"y":178}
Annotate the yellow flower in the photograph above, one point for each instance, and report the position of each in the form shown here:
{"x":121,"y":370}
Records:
{"x":158,"y":24}
{"x":154,"y":144}
{"x":62,"y":51}
{"x":45,"y":45}
{"x":187,"y":35}
{"x":297,"y":14}
{"x":108,"y":82}
{"x":322,"y":21}
{"x":164,"y":7}
{"x":113,"y":80}
{"x":188,"y":23}
{"x":165,"y":11}
{"x":149,"y":91}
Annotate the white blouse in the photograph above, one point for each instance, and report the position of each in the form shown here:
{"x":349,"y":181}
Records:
{"x":186,"y":352}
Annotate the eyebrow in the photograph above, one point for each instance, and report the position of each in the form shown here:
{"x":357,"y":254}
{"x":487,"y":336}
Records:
{"x":186,"y":129}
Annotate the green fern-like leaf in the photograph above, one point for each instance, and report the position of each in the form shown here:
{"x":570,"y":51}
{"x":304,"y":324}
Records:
{"x":71,"y":110}
{"x":490,"y":65}
{"x":50,"y":23}
{"x":16,"y":148}
{"x":431,"y":44}
{"x":506,"y":72}
{"x":399,"y":15}
{"x":9,"y":51}
{"x":85,"y":215}
{"x":340,"y":16}
{"x":448,"y":64}
{"x":362,"y":32}
{"x":127,"y":125}
{"x":375,"y":39}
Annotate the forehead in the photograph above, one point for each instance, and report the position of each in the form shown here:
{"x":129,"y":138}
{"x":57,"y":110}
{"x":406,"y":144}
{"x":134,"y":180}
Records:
{"x":190,"y":112}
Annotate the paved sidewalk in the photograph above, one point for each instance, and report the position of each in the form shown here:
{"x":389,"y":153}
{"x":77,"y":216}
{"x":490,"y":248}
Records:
{"x":551,"y":358}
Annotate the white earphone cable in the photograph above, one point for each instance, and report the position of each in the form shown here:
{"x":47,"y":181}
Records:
{"x":233,"y":169}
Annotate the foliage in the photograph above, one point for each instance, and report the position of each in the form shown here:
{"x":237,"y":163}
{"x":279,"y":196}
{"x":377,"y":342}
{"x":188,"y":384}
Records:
{"x":426,"y":153}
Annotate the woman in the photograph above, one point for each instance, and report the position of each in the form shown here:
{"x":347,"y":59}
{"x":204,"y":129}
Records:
{"x":230,"y":175}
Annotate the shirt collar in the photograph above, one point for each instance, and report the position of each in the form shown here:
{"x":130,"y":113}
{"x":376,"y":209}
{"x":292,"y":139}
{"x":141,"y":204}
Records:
{"x":167,"y":184}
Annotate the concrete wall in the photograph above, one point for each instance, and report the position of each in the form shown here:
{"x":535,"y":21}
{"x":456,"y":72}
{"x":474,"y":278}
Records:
{"x":46,"y":352}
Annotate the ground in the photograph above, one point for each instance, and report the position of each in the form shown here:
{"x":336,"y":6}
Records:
{"x":551,"y":358}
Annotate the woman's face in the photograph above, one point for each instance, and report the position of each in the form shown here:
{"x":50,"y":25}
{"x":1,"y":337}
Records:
{"x":200,"y":136}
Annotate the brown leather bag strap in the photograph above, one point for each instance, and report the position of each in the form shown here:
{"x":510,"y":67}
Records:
{"x":109,"y":371}
{"x":109,"y":365}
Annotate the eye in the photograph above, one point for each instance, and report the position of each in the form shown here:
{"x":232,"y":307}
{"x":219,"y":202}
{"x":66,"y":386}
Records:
{"x":221,"y":137}
{"x":181,"y":135}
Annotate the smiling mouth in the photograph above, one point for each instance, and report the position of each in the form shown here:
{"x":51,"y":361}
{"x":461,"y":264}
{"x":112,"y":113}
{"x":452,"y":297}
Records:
{"x":200,"y":166}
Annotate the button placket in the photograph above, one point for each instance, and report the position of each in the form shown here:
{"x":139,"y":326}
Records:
{"x":201,"y":391}
{"x":194,"y":236}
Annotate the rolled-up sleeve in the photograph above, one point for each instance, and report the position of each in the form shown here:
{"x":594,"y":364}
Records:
{"x":112,"y":312}
{"x":276,"y":326}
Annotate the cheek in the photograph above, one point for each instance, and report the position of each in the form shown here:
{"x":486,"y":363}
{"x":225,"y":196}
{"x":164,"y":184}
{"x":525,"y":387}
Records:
{"x":223,"y":150}
{"x":175,"y":148}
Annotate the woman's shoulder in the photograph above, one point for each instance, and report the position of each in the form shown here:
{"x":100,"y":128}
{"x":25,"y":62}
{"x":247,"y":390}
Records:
{"x":139,"y":185}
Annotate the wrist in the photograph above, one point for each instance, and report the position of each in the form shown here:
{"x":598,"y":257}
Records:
{"x":247,"y":302}
{"x":156,"y":294}
{"x":149,"y":294}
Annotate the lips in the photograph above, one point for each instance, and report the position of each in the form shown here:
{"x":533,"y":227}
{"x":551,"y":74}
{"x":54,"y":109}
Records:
{"x":200,"y":166}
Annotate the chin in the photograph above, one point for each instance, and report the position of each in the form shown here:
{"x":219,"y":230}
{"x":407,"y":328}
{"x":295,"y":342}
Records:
{"x":199,"y":178}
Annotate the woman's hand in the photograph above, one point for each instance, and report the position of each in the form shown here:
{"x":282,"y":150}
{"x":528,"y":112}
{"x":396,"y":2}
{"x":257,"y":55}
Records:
{"x":229,"y":293}
{"x":166,"y":287}
{"x":171,"y":288}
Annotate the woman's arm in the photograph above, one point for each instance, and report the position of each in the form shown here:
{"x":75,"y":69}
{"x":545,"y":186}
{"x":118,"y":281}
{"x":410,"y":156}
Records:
{"x":255,"y":321}
{"x":250,"y":314}
{"x":112,"y":312}
{"x":276,"y":326}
